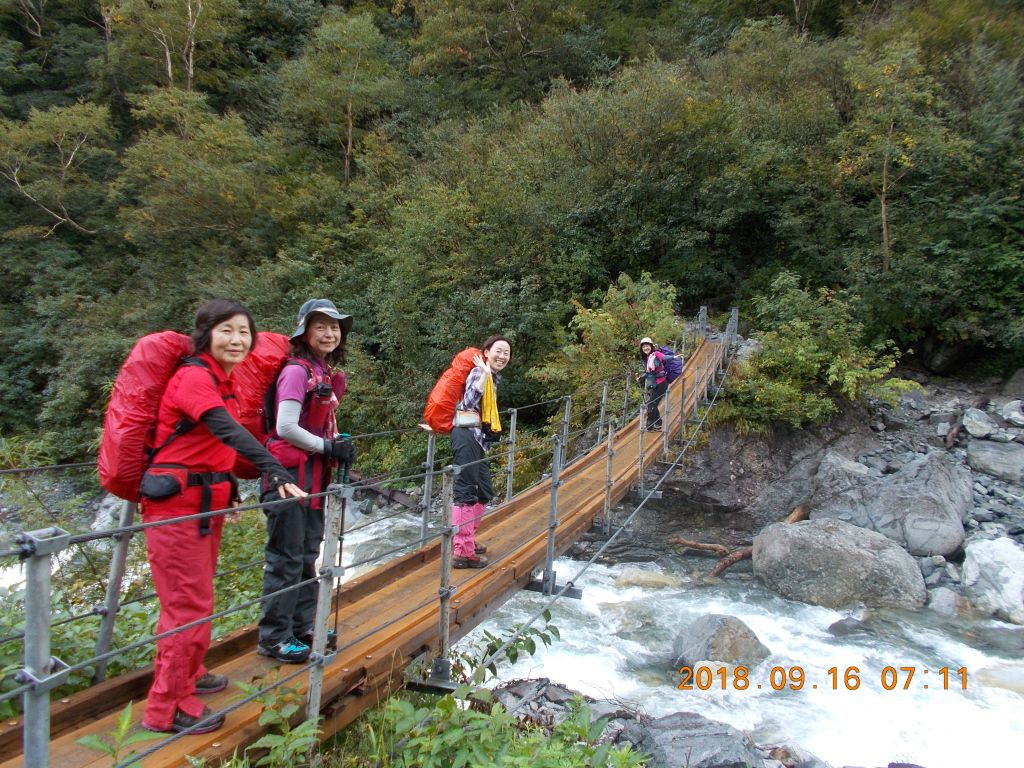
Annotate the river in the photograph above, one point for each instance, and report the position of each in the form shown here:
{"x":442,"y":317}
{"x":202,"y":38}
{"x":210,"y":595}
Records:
{"x":617,"y":643}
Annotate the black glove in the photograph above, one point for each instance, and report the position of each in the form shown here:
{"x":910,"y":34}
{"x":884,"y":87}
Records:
{"x":340,"y":448}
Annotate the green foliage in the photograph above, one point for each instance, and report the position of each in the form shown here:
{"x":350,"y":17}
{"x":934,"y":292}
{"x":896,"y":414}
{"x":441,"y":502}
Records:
{"x":469,"y":663}
{"x":447,"y":170}
{"x":812,"y":354}
{"x":113,"y":743}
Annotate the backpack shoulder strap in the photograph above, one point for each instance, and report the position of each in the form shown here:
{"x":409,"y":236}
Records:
{"x":185,"y":425}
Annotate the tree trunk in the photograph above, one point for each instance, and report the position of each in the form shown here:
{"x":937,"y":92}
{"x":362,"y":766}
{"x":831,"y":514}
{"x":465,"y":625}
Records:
{"x":885,"y":199}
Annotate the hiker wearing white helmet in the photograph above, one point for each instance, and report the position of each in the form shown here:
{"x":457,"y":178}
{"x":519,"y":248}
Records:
{"x":655,"y":380}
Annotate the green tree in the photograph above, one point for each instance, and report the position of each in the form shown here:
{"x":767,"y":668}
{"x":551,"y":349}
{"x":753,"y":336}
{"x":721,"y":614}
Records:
{"x":342,"y":76}
{"x":57,"y":162}
{"x":174,"y":43}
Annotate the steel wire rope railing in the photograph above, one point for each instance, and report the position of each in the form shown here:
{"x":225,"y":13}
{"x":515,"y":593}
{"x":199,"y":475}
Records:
{"x":89,"y":537}
{"x":46,"y":468}
{"x":650,"y":494}
{"x":489,"y":658}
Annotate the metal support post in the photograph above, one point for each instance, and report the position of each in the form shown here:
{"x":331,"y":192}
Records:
{"x":625,"y":399}
{"x":705,"y":378}
{"x":330,"y":570}
{"x":666,"y":421}
{"x":608,"y":481}
{"x":41,"y":671}
{"x":640,"y":447}
{"x":441,"y":670}
{"x":428,"y":484}
{"x":115,"y":579}
{"x":604,"y":413}
{"x":549,"y":556}
{"x":565,"y":429}
{"x":510,"y":470}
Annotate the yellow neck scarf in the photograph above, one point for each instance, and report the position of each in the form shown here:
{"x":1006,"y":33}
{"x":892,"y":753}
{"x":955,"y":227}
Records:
{"x":489,"y":405}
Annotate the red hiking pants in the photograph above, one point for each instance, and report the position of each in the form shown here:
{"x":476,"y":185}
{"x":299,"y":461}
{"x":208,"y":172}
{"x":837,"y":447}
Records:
{"x":182,"y":563}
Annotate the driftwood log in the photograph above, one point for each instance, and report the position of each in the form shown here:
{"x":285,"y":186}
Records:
{"x":800,"y":512}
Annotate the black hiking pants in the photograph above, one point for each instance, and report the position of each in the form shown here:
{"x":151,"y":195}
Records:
{"x":294,"y":534}
{"x":473,"y":483}
{"x":654,"y":397}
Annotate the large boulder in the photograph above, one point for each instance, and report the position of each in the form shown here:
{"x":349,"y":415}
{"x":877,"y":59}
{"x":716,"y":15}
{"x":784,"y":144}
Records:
{"x":1002,"y":460}
{"x":993,"y":578}
{"x":835,"y":564}
{"x":922,"y":506}
{"x":978,"y":423}
{"x":686,"y":738}
{"x":1013,"y":412}
{"x":715,"y":637}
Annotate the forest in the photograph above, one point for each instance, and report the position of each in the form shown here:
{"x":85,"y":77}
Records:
{"x":445,"y":170}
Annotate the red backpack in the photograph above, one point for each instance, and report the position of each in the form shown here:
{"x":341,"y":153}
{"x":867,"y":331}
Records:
{"x":126,"y":447}
{"x":440,"y":410}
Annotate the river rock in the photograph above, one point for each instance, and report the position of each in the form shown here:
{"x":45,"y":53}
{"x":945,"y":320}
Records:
{"x":978,"y":423}
{"x":1014,"y":386}
{"x":1008,"y":676}
{"x":714,"y":637}
{"x":922,"y":506}
{"x":1002,"y":460}
{"x":689,"y":739}
{"x":835,"y":564}
{"x":993,"y":578}
{"x":636,"y":577}
{"x":1013,"y":412}
{"x":945,"y":602}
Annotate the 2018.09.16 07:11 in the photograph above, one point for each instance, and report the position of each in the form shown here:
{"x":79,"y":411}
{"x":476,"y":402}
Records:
{"x":794,"y":678}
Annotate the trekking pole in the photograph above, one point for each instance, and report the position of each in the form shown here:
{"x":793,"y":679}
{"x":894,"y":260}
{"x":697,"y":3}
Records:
{"x":604,"y":412}
{"x":666,"y":429}
{"x":565,"y":428}
{"x":344,"y":475}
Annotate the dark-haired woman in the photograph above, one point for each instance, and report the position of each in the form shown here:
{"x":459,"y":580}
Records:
{"x":475,"y":426}
{"x":307,"y":443}
{"x":655,"y":381}
{"x":197,"y":438}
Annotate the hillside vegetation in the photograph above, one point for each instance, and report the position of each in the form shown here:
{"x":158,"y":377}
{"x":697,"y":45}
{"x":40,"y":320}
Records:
{"x":445,"y":169}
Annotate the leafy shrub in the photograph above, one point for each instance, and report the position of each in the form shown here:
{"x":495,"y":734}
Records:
{"x":812,"y":355}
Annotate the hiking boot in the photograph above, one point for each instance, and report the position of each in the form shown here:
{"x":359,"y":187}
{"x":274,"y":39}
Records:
{"x":654,"y":428}
{"x":480,"y":549}
{"x":307,"y":638}
{"x":290,"y":651}
{"x":211,"y":683}
{"x":469,"y":562}
{"x":185,"y":722}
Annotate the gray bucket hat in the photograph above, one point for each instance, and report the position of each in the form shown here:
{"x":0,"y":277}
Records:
{"x":324,"y":307}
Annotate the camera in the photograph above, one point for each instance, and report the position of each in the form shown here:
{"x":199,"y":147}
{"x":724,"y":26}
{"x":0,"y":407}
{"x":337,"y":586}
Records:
{"x":323,"y":390}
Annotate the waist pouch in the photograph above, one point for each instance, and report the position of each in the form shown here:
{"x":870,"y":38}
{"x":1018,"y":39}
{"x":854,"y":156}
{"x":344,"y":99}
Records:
{"x":651,"y":380}
{"x":161,"y":481}
{"x":464,"y":419}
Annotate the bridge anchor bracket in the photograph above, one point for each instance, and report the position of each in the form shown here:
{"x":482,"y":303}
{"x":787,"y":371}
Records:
{"x":539,"y":585}
{"x":439,"y":681}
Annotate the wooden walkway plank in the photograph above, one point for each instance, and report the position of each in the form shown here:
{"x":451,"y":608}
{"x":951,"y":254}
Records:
{"x":388,"y":616}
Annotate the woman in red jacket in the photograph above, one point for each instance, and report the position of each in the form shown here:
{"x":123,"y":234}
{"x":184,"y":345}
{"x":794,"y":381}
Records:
{"x":197,"y":439}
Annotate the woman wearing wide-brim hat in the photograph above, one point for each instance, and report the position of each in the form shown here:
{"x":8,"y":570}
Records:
{"x":306,"y":441}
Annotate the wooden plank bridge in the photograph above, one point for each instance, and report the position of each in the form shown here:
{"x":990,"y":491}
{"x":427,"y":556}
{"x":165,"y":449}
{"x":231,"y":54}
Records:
{"x":388,"y":616}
